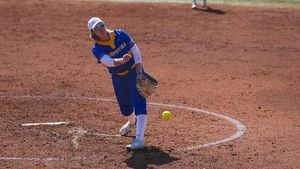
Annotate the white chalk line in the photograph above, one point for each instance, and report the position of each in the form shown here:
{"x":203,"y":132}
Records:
{"x":44,"y":124}
{"x":44,"y":158}
{"x":241,"y":129}
{"x":30,"y":159}
{"x":104,"y":135}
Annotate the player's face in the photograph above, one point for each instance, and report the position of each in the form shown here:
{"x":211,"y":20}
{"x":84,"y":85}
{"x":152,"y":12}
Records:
{"x":100,"y":31}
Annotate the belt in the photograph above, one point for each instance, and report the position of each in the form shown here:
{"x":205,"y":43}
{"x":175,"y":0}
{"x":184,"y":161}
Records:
{"x":123,"y":73}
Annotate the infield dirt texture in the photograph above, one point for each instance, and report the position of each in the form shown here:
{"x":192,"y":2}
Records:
{"x":242,"y":63}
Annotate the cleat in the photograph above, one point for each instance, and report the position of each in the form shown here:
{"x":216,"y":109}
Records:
{"x":135,"y":145}
{"x":194,"y":6}
{"x":125,"y":129}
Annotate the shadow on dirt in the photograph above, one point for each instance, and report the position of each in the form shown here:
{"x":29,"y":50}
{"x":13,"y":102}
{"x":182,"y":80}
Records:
{"x":140,"y":159}
{"x":210,"y":10}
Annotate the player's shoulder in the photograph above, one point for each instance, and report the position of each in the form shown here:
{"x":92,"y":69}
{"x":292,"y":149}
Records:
{"x":120,"y":32}
{"x":97,"y":47}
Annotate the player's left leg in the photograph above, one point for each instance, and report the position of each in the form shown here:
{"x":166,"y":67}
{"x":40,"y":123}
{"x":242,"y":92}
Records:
{"x":140,"y":109}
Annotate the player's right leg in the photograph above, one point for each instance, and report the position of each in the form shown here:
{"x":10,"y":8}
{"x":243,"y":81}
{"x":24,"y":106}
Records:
{"x":125,"y":129}
{"x":140,"y":110}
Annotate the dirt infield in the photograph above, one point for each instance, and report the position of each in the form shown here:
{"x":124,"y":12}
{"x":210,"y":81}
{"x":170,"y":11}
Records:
{"x":239,"y":63}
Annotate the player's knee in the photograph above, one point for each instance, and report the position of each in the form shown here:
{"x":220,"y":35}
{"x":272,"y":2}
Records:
{"x":126,"y":110}
{"x":140,"y":109}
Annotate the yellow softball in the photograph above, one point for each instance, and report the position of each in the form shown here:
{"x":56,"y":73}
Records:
{"x":166,"y":115}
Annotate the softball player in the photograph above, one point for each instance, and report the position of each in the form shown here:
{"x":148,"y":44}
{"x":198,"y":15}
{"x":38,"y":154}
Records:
{"x":116,"y":50}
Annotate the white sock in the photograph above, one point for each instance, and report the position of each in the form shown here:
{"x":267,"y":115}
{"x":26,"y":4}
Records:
{"x":194,"y":2}
{"x":132,"y":119}
{"x":140,"y":126}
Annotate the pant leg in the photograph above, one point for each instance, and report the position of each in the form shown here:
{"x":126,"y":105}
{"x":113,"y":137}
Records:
{"x":122,"y":92}
{"x":139,"y":102}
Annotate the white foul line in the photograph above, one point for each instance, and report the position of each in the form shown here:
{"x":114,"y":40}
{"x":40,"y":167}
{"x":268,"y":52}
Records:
{"x":241,"y":129}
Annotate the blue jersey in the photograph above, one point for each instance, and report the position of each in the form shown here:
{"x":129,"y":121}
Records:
{"x":119,"y":45}
{"x":125,"y":85}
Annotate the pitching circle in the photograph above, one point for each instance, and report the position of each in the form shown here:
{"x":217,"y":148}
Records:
{"x":240,"y":128}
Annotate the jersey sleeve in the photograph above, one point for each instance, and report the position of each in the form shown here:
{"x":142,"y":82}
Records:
{"x":98,"y":54}
{"x":136,"y":54}
{"x":127,"y":38}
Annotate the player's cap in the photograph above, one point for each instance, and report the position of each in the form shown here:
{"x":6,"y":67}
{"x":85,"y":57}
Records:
{"x":93,"y":22}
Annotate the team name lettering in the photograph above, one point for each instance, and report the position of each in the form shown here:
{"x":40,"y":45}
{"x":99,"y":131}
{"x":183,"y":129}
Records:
{"x":118,"y":50}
